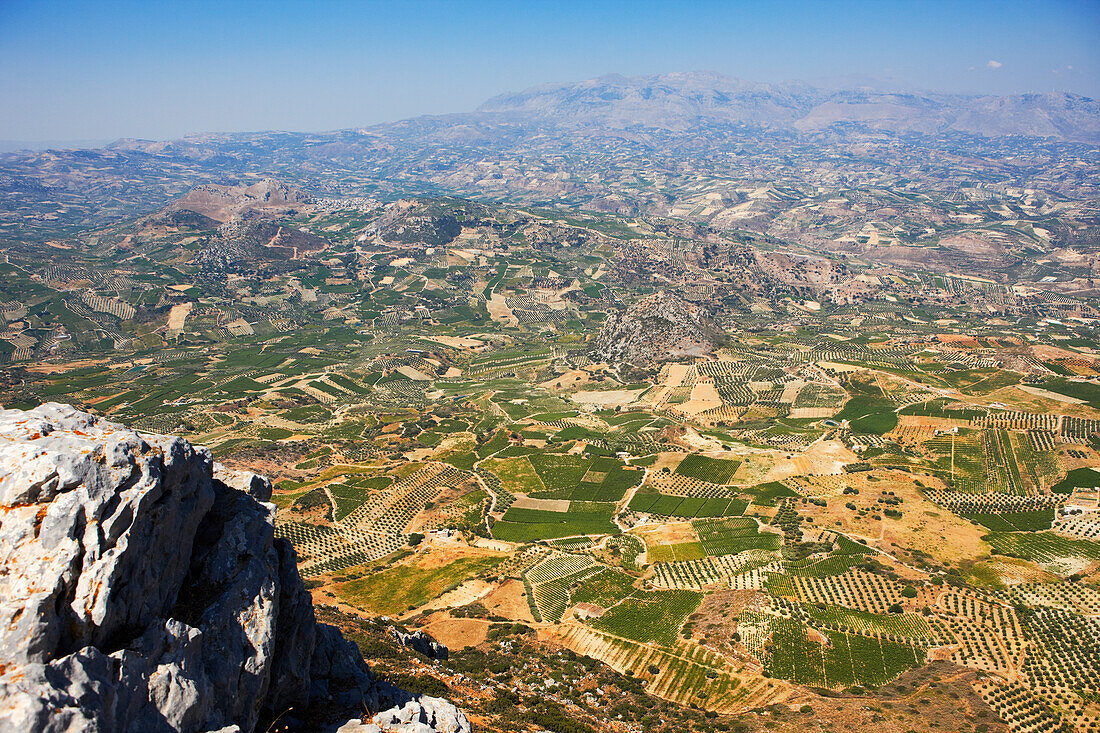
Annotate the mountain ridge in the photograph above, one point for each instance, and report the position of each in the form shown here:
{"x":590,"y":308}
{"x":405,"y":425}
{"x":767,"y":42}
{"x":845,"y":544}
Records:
{"x":676,"y":101}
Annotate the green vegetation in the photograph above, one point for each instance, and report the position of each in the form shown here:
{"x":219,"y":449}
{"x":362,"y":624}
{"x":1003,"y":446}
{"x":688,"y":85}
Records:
{"x":687,"y":507}
{"x":605,"y":588}
{"x":1087,"y":391}
{"x":731,"y":536}
{"x":714,"y":470}
{"x":1014,"y":521}
{"x":396,"y":589}
{"x":1042,"y":547}
{"x":1085,"y":478}
{"x":527,"y":525}
{"x":846,"y":660}
{"x":868,"y":413}
{"x":650,"y":616}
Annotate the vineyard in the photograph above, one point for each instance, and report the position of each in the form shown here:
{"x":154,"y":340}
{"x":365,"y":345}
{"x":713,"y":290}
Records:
{"x":662,"y":505}
{"x":650,"y":616}
{"x":734,"y":536}
{"x":909,"y":627}
{"x":742,"y":571}
{"x":684,"y":674}
{"x":529,"y":525}
{"x":549,"y":582}
{"x":373,"y":529}
{"x":841,"y":660}
{"x":710,"y":470}
{"x":1045,"y":548}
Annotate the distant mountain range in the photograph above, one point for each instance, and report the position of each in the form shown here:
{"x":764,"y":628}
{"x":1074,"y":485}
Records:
{"x":681,"y":101}
{"x":567,"y":144}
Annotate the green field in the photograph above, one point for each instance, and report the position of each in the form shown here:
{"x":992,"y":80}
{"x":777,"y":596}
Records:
{"x":1014,"y":521}
{"x":733,"y":535}
{"x":529,"y":525}
{"x":605,"y":588}
{"x":868,"y":413}
{"x":714,"y":470}
{"x":770,"y":493}
{"x":687,"y":507}
{"x":847,"y":660}
{"x":396,"y":589}
{"x":1087,"y":391}
{"x":1042,"y":546}
{"x":1085,"y":478}
{"x":650,"y":616}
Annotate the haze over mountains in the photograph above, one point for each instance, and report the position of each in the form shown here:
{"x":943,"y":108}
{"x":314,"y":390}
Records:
{"x":577,"y":144}
{"x":681,"y":101}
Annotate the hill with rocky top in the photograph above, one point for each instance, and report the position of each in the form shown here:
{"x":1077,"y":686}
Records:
{"x":659,"y":327}
{"x":222,"y":203}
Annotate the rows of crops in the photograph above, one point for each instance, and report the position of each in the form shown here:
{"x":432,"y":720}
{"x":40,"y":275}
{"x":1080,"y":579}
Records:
{"x":733,"y":536}
{"x":686,"y":507}
{"x":650,"y":616}
{"x":845,"y":660}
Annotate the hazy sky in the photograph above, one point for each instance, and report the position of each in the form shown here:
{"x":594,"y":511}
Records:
{"x":158,"y":69}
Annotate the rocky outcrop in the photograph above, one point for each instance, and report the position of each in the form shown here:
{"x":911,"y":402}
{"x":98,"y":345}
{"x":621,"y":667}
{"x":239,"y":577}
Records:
{"x":420,"y":642}
{"x":143,"y":590}
{"x":222,"y":203}
{"x":659,"y":327}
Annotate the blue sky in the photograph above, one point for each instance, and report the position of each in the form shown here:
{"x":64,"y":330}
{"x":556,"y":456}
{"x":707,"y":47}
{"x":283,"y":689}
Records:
{"x":160,"y":70}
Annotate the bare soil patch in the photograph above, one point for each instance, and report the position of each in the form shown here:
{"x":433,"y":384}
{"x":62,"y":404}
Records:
{"x":670,"y":533}
{"x":510,"y":601}
{"x":457,"y":633}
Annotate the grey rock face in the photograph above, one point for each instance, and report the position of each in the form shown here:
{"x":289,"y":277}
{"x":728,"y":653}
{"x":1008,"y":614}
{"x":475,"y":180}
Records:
{"x":421,"y":715}
{"x":421,"y":642}
{"x":143,"y":591}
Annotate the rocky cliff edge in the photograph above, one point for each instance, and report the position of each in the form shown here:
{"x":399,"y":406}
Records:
{"x":142,"y":589}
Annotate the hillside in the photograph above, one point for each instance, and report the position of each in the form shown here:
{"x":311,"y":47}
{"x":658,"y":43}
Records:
{"x":660,"y":327}
{"x":221,"y":203}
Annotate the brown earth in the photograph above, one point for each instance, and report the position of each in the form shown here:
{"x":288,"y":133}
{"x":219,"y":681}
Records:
{"x":457,"y":633}
{"x":510,"y":601}
{"x":923,"y":525}
{"x":936,"y":698}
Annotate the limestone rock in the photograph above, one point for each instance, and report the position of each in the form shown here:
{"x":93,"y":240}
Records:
{"x":421,"y":642}
{"x":143,"y":590}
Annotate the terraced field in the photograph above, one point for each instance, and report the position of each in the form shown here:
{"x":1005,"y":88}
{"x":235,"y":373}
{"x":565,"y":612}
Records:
{"x":685,"y":673}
